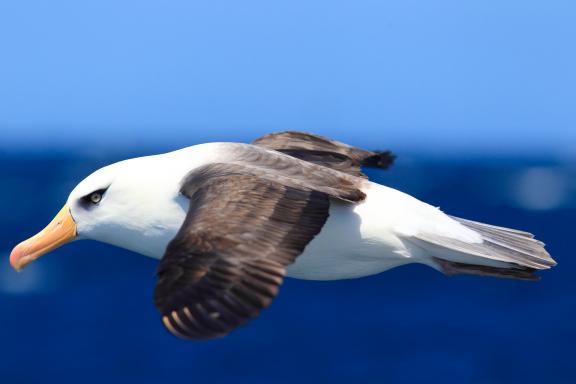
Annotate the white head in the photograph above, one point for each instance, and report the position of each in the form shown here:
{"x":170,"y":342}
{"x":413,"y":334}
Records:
{"x":134,"y":204}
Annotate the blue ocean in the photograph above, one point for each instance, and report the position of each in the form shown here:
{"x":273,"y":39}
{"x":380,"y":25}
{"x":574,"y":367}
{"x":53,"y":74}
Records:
{"x":477,"y":99}
{"x":85,"y":313}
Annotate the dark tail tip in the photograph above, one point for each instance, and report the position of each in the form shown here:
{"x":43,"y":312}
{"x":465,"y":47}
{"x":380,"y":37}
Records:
{"x":380,"y":159}
{"x":518,"y":272}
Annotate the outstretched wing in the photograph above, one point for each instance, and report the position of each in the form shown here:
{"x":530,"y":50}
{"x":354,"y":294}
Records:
{"x":229,"y":257}
{"x":326,"y":152}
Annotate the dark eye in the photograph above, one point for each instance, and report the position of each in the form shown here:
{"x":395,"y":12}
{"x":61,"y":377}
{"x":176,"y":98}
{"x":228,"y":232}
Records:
{"x":95,"y":197}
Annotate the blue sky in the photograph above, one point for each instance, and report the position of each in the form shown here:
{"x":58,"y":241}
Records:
{"x":453,"y":75}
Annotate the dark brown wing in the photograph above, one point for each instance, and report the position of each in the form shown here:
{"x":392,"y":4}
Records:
{"x":228,"y":259}
{"x":326,"y":152}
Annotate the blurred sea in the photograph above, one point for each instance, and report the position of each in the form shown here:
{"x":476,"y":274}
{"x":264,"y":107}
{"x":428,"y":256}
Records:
{"x":84,"y":314}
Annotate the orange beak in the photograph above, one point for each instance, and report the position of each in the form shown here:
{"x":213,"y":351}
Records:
{"x":60,"y":231}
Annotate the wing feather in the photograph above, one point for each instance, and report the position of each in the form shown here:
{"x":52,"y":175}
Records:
{"x":228,"y":260}
{"x":326,"y":152}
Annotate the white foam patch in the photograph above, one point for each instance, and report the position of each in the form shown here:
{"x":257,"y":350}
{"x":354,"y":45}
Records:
{"x":541,"y":188}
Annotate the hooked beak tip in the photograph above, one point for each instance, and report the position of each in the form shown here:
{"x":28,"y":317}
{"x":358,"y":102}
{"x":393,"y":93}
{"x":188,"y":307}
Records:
{"x":17,"y":257}
{"x":60,"y":231}
{"x":21,"y":256}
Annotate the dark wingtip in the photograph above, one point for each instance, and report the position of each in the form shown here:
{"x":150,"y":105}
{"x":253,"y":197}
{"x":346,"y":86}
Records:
{"x":380,"y":159}
{"x":353,"y":195}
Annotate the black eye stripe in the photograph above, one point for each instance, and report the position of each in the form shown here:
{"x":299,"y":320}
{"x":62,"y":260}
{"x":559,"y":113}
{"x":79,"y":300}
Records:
{"x":95,"y":197}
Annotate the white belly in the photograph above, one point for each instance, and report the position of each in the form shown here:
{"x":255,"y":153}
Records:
{"x":356,"y":241}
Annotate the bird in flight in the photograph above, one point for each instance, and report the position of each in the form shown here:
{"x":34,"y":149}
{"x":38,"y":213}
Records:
{"x":228,"y":221}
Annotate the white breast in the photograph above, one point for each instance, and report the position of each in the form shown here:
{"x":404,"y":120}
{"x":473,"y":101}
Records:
{"x":357,"y":240}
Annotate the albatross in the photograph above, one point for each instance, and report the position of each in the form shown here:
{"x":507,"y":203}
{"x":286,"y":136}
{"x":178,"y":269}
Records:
{"x":228,"y":221}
